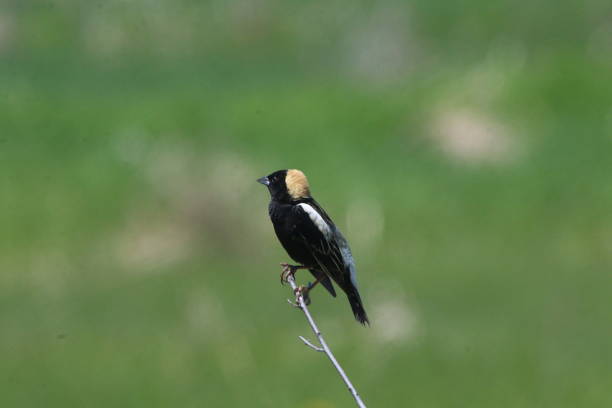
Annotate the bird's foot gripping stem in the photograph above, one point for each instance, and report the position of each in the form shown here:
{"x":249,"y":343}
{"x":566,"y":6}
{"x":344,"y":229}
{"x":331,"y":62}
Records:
{"x":303,"y":292}
{"x":289,"y":270}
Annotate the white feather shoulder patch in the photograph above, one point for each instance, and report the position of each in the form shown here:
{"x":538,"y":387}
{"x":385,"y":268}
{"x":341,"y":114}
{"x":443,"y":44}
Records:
{"x":316,"y":218}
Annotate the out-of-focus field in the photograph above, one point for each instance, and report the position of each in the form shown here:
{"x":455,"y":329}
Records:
{"x":465,"y":149}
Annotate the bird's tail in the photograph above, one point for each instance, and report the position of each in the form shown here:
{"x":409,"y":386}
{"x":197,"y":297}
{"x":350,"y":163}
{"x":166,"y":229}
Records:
{"x":357,"y":306}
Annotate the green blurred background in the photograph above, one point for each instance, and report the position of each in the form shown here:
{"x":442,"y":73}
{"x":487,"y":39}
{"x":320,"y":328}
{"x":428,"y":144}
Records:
{"x":465,"y":149}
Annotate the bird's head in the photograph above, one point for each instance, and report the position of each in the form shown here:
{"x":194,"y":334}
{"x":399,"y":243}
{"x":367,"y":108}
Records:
{"x":287,"y":185}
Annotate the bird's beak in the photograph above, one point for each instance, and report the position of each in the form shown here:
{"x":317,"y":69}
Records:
{"x":264,"y":181}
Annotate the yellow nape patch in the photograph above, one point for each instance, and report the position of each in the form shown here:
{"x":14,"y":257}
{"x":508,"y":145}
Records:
{"x":297,"y":184}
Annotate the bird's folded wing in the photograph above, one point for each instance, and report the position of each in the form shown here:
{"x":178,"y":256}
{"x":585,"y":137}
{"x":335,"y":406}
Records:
{"x":324,"y":280}
{"x":319,"y":236}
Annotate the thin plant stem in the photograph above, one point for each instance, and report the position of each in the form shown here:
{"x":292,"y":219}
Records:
{"x":324,"y":348}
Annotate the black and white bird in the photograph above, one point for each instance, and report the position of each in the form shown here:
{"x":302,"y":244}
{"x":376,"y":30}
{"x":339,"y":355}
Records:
{"x":310,"y":237}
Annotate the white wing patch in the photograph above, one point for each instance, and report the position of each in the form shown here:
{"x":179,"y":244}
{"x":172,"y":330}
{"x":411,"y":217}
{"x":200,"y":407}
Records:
{"x":318,"y":221}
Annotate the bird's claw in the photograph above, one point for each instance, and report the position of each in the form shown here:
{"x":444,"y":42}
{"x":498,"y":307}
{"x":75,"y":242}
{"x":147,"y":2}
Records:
{"x":285,"y":273}
{"x":303,"y":292}
{"x":288,"y":270}
{"x":300,"y":291}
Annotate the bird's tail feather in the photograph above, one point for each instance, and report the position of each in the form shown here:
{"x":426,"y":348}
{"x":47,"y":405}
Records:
{"x":357,"y":306}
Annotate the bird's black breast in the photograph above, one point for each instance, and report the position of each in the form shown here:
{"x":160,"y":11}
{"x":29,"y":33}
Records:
{"x":293,"y":231}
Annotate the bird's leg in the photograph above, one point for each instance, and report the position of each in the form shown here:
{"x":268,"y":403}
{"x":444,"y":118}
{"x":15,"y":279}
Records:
{"x":289,"y":270}
{"x":304,"y":290}
{"x":312,"y":285}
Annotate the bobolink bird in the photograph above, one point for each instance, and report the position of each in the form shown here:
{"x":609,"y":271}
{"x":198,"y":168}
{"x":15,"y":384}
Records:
{"x":310,"y":237}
